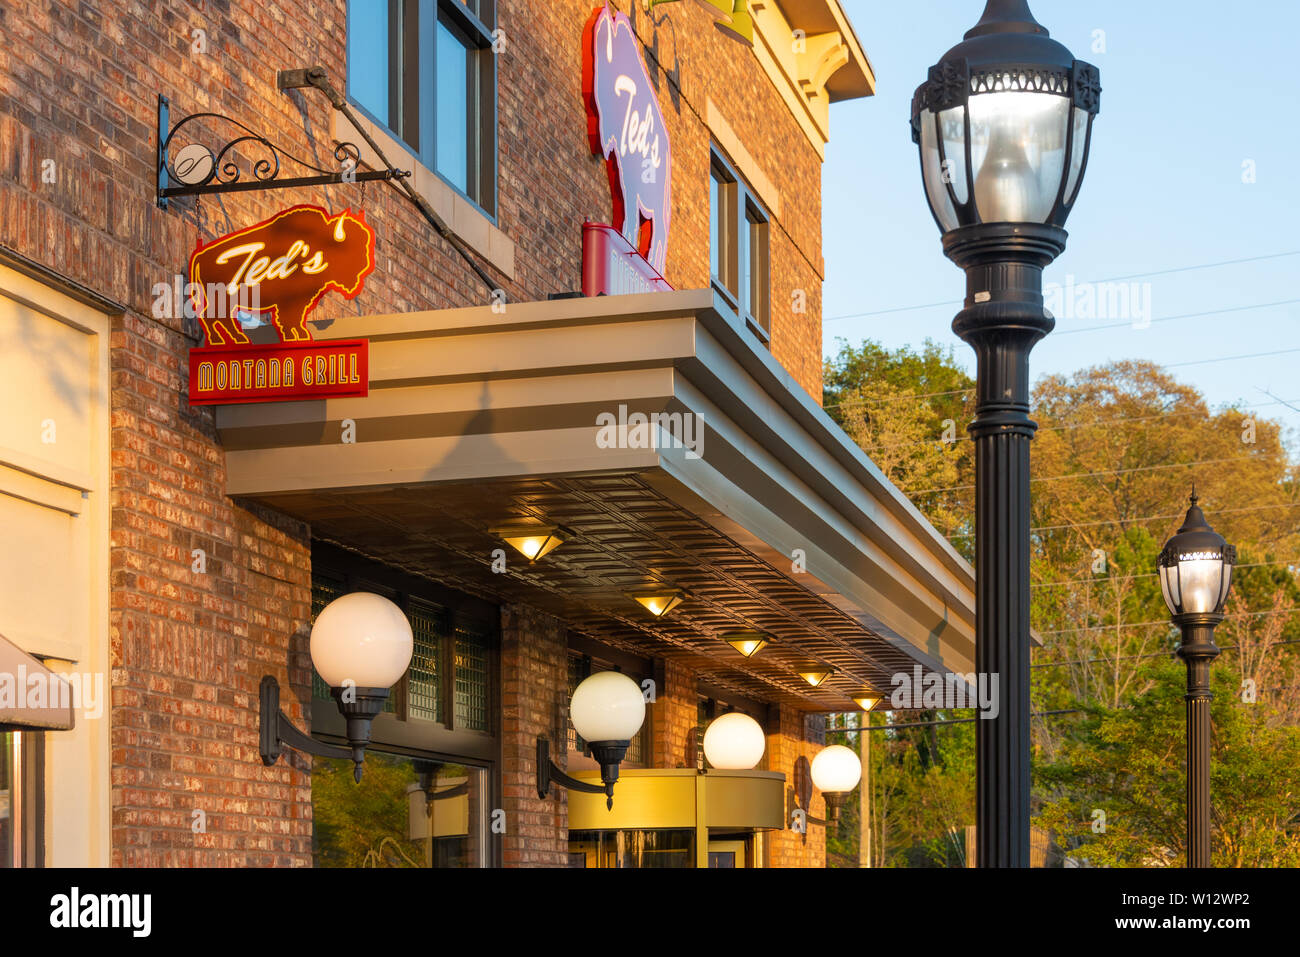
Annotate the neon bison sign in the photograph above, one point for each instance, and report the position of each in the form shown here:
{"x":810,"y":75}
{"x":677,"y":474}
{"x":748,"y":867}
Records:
{"x":626,"y":128}
{"x":273,"y":274}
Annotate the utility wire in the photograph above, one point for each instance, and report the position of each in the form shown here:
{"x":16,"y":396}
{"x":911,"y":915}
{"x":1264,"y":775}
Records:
{"x":1097,"y":423}
{"x":1082,"y":475}
{"x":1140,"y":275}
{"x":1163,"y":654}
{"x":1170,"y":365}
{"x":1126,"y":578}
{"x":1164,"y":621}
{"x":1186,"y":315}
{"x":1147,"y":518}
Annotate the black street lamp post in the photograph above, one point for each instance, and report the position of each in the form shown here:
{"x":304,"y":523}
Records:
{"x":1004,"y":124}
{"x":1195,"y":576}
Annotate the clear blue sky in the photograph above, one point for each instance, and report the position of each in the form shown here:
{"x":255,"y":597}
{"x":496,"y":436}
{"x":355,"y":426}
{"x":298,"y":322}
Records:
{"x":1191,"y":91}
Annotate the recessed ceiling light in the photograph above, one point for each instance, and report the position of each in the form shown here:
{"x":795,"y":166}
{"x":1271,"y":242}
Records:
{"x":534,"y":541}
{"x":659,"y":603}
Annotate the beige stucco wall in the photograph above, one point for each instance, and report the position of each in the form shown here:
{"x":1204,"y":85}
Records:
{"x":54,"y":508}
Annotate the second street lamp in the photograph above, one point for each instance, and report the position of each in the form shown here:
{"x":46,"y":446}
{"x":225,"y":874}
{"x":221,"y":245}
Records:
{"x":1195,"y":576}
{"x":1004,"y":124}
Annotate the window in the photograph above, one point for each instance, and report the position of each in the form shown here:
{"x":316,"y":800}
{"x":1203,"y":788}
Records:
{"x":22,"y":768}
{"x":453,"y":658}
{"x":738,"y":247}
{"x":430,"y":769}
{"x":411,"y":812}
{"x":425,"y":69}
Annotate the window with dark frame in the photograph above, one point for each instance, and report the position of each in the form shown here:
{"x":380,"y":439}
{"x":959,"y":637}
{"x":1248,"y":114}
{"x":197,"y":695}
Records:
{"x":451,"y":680}
{"x":425,"y":70}
{"x":22,"y":799}
{"x":431,"y":765}
{"x":739,"y":243}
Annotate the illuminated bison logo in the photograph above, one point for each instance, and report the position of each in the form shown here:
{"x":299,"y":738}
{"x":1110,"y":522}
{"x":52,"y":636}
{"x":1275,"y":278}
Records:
{"x":625,"y":126}
{"x":279,"y":269}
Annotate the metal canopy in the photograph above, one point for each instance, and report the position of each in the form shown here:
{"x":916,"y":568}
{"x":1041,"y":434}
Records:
{"x":32,"y":697}
{"x":477,"y":420}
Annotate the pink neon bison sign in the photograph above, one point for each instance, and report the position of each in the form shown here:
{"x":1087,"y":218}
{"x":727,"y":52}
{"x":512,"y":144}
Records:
{"x":625,"y":126}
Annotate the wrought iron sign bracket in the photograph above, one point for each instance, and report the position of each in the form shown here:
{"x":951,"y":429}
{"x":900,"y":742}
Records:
{"x":197,"y":170}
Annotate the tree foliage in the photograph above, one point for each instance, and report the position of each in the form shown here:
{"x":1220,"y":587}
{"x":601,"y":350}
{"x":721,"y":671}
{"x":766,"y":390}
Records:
{"x":1118,"y":450}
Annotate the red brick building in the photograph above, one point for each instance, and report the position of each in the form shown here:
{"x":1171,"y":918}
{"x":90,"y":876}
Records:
{"x":181,"y":551}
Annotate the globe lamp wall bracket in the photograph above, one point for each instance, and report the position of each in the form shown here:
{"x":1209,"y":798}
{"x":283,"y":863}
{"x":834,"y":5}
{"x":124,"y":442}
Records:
{"x":359,"y":706}
{"x":608,"y":754}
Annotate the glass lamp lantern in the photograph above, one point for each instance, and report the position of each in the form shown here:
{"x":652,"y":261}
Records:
{"x":1004,"y":123}
{"x":1196,"y":568}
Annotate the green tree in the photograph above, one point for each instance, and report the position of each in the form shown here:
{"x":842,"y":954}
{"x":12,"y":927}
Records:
{"x":1118,"y":449}
{"x":1118,"y":764}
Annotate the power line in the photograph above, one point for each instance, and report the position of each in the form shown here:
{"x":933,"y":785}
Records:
{"x":1253,"y":355}
{"x":1186,"y":315}
{"x":1140,"y":275}
{"x":1096,"y":423}
{"x":1080,"y":475}
{"x":1168,"y":365}
{"x":1164,"y":621}
{"x":1146,"y":518}
{"x":932,"y":724}
{"x":1127,"y":578}
{"x":1162,"y":654}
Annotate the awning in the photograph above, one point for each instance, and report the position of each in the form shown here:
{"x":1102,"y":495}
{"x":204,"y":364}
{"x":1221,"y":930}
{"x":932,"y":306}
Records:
{"x":479,"y":418}
{"x":32,"y":697}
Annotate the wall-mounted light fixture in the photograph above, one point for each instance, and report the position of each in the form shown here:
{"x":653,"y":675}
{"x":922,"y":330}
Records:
{"x":748,"y":643}
{"x":734,"y":742}
{"x":867,"y":699}
{"x":534,"y":542}
{"x":361,"y":646}
{"x":816,"y":675}
{"x":658,"y":602}
{"x":836,"y":771}
{"x":608,"y":710}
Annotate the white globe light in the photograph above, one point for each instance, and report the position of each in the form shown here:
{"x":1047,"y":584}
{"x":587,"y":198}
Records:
{"x":608,"y":706}
{"x":734,"y":742}
{"x":363,"y":638}
{"x":836,"y":769}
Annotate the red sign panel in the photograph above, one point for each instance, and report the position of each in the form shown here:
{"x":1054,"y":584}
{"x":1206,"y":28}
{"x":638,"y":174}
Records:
{"x":611,"y":267}
{"x":273,"y":274}
{"x":626,"y":127}
{"x":230,"y":375}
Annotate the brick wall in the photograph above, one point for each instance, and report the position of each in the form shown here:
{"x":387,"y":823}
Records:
{"x":674,"y":716}
{"x":534,"y":700}
{"x":792,"y":734}
{"x":189,"y":648}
